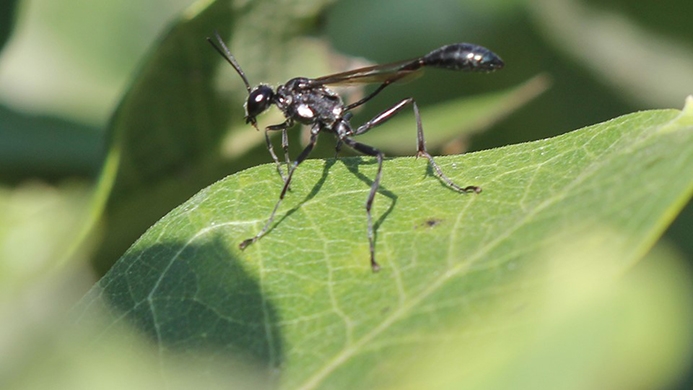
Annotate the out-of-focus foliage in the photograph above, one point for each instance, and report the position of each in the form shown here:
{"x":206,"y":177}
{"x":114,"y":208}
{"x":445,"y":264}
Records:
{"x":68,"y":71}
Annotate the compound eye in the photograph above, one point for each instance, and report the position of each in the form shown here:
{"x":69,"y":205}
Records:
{"x":259,"y":100}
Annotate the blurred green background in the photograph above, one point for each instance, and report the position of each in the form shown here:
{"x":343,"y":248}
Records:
{"x":64,"y":67}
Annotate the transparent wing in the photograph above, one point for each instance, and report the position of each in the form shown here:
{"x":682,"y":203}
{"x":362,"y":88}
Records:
{"x":391,"y":72}
{"x":459,"y":56}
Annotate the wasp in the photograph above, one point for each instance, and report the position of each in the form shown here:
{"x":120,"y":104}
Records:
{"x":310,"y":102}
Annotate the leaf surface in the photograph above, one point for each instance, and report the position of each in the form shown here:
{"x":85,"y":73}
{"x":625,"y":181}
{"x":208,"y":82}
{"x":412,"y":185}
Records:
{"x":303,"y":302}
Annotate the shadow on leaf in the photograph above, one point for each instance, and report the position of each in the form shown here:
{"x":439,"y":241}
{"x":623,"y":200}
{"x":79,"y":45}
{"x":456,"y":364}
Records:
{"x":195,"y":298}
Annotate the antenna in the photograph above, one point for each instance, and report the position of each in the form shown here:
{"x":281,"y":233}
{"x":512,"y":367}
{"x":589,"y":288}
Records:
{"x":226,"y":53}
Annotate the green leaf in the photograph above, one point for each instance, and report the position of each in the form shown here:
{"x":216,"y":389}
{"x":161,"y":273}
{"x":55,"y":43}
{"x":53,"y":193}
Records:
{"x":528,"y":262}
{"x":45,"y":147}
{"x":7,"y":16}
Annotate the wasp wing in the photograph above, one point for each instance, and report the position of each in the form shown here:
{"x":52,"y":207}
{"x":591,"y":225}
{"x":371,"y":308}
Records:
{"x":458,"y":56}
{"x":391,"y":72}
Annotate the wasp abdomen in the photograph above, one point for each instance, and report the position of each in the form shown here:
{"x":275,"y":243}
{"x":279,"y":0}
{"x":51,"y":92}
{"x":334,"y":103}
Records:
{"x":463,"y":56}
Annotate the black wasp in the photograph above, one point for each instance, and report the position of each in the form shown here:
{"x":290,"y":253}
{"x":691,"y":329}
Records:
{"x":310,"y":102}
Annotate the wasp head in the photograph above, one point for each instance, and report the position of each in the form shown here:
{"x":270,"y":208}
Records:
{"x":259,"y":100}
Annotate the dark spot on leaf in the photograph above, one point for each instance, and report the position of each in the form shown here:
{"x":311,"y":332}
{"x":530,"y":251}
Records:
{"x":433,"y":222}
{"x":429,"y":223}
